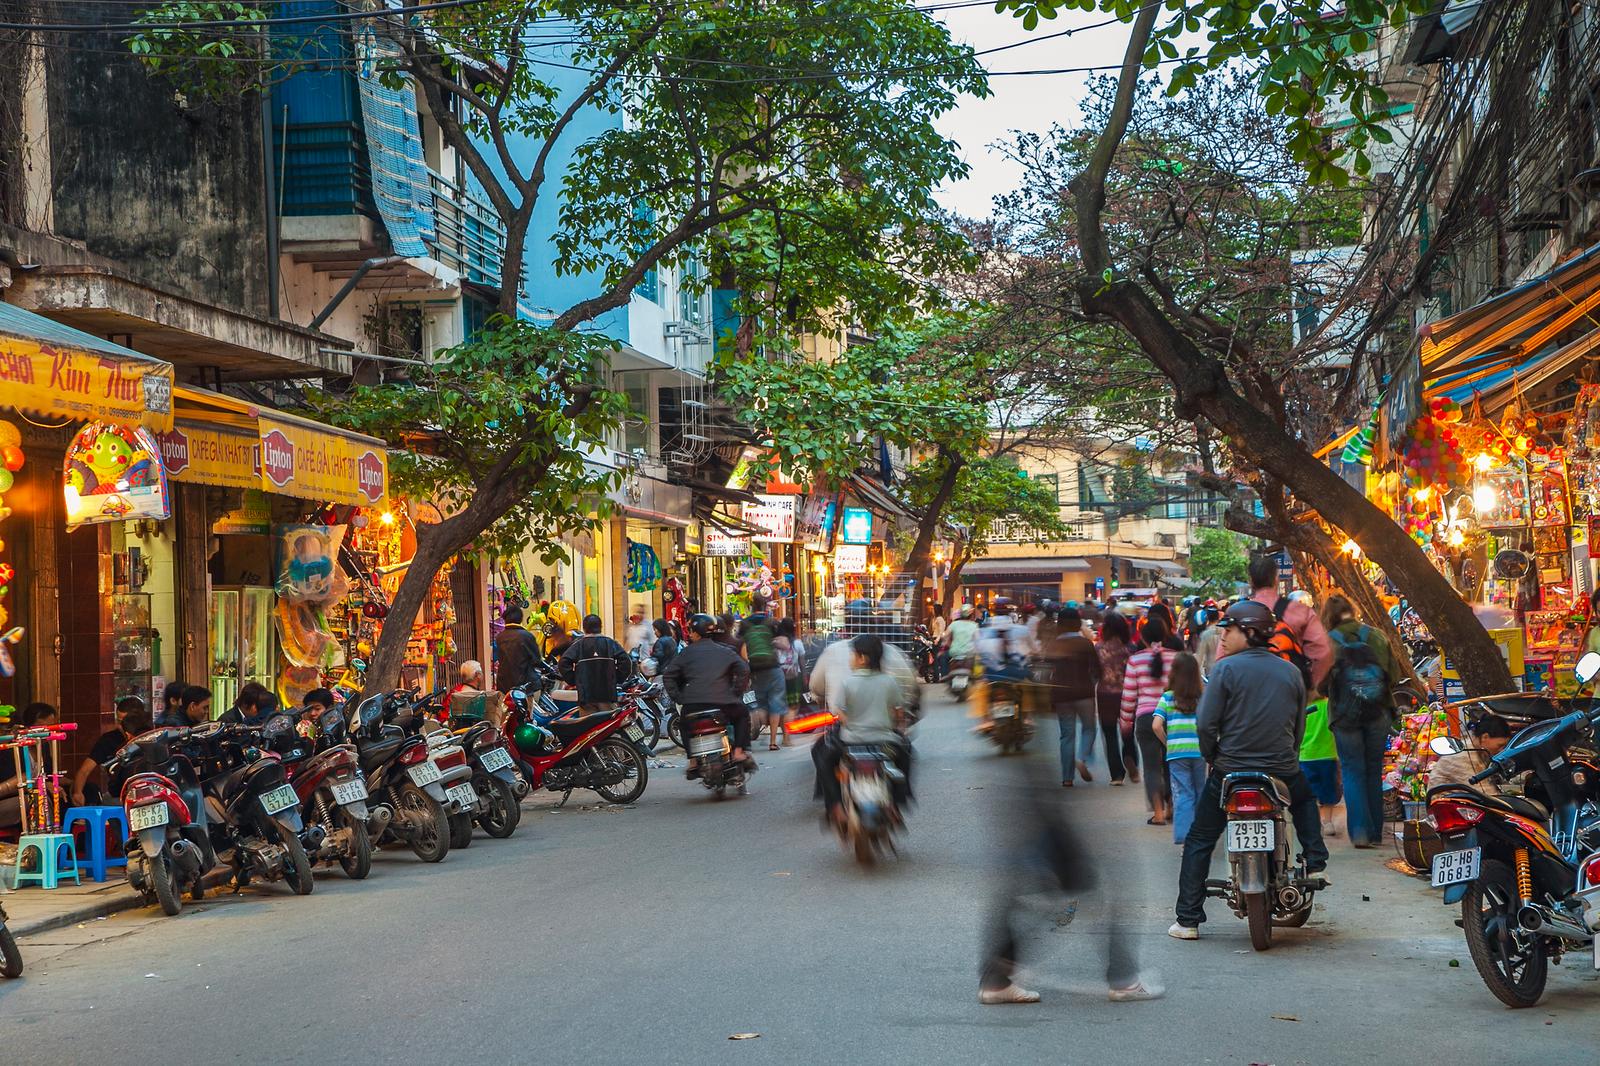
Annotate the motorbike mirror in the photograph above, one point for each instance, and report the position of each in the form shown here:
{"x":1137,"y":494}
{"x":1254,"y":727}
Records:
{"x":277,"y":724}
{"x":1588,"y":667}
{"x":1444,"y":745}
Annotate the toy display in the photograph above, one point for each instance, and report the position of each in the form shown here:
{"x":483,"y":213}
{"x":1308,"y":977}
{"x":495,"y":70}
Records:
{"x":113,"y":473}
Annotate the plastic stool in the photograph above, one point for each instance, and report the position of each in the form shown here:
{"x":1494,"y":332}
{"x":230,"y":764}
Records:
{"x":48,"y":846}
{"x":96,"y":821}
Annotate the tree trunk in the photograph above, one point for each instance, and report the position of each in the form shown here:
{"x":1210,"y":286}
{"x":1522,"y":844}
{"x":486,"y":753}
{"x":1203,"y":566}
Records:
{"x":927,"y":529}
{"x":952,"y":584}
{"x":1202,"y":387}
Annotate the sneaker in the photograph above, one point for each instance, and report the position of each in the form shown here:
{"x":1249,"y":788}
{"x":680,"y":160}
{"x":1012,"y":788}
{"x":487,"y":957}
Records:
{"x":1012,"y":993}
{"x":1133,"y":775}
{"x":1179,"y":931}
{"x":1327,"y":882}
{"x":1118,"y":781}
{"x":1142,"y":989}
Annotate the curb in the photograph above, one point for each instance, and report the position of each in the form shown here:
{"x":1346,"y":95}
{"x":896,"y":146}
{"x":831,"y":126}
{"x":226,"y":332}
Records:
{"x":114,"y":903}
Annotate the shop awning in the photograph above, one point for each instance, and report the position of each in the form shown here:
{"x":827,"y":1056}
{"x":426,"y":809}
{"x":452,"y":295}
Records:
{"x":60,"y":372}
{"x":1495,"y":387}
{"x":875,"y":495}
{"x":222,"y":440}
{"x":1031,"y":568}
{"x":1165,"y":566}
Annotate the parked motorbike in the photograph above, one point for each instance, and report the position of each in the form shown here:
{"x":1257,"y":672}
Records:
{"x":252,"y":812}
{"x":925,"y":651}
{"x":405,"y":806}
{"x":1264,"y":887}
{"x":710,"y":749}
{"x":596,"y":751}
{"x":495,"y":777}
{"x":168,"y":847}
{"x":1527,"y":875}
{"x":870,"y":785}
{"x":10,"y":956}
{"x":960,"y":679}
{"x":654,"y":713}
{"x":325,"y":771}
{"x":1007,"y":722}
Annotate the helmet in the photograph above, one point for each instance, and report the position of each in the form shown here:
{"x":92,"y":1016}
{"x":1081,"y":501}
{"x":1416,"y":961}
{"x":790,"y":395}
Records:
{"x":702,"y":625}
{"x":966,"y":610}
{"x":1250,"y":616}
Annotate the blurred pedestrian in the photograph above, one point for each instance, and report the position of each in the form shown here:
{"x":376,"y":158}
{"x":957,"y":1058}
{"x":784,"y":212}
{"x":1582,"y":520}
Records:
{"x":1208,"y":640}
{"x":1074,"y":680}
{"x":1142,"y":687}
{"x":1114,"y":647}
{"x":758,"y":640}
{"x":1173,"y":723}
{"x":639,"y":634}
{"x":1360,"y":702}
{"x":792,"y":661}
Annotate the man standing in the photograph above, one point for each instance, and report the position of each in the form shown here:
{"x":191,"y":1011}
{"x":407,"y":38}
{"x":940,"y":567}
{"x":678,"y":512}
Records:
{"x":517,"y":652}
{"x":1251,"y":718}
{"x":1300,"y":619}
{"x":639,"y":635}
{"x":758,"y":640}
{"x":595,"y":663}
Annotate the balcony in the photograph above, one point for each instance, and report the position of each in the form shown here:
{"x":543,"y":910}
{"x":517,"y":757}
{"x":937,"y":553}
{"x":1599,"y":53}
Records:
{"x":468,"y":236}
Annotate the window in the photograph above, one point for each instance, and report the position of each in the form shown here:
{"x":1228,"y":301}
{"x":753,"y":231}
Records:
{"x":1092,"y":489}
{"x":636,"y":427}
{"x":691,"y":289}
{"x":1178,"y":503}
{"x":1053,"y":483}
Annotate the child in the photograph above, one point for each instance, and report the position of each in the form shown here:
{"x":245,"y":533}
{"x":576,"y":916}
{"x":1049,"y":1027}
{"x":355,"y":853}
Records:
{"x":1319,"y":761}
{"x":1174,"y":724}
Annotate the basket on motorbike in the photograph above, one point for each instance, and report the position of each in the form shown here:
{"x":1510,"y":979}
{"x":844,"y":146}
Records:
{"x":469,"y":707}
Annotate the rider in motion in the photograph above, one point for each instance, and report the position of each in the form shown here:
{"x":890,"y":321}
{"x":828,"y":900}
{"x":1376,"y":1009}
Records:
{"x":1251,"y":718}
{"x":708,"y":675}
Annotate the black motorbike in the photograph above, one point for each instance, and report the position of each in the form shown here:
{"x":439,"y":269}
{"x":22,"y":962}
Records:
{"x":405,"y":794}
{"x":926,"y":653}
{"x":260,"y":825}
{"x":710,"y":751}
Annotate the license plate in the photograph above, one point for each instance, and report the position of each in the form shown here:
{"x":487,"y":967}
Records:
{"x":705,"y":745}
{"x":496,"y":759}
{"x":424,"y":773}
{"x":633,"y":732}
{"x":349,"y":791}
{"x":279,"y":799}
{"x":1003,"y":710}
{"x":869,"y":789}
{"x":1454,"y":867}
{"x":147,"y":817}
{"x":462,"y":794}
{"x":1251,"y":836}
{"x":749,"y":699}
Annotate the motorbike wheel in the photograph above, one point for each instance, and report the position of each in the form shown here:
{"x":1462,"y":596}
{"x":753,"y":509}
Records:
{"x":617,"y":751}
{"x":197,"y":888}
{"x":1259,"y":914}
{"x":862,"y":846}
{"x":358,"y":864}
{"x":502,"y":812}
{"x":461,"y":830}
{"x":675,"y":730}
{"x":159,"y":871}
{"x":431,"y":837}
{"x":10,"y":956}
{"x":1514,"y":972}
{"x":298,"y":866}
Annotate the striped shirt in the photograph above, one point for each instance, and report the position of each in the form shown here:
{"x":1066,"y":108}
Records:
{"x":1140,"y":690}
{"x":1183,"y":740}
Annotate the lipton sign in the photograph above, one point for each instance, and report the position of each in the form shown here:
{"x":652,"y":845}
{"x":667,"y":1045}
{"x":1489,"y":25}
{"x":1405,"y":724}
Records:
{"x":316,"y":463}
{"x":277,"y":458}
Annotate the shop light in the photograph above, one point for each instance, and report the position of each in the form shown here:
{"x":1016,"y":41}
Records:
{"x":1457,"y":538}
{"x":387,"y":518}
{"x":1483,"y":461}
{"x":1422,"y":494}
{"x":1483,"y":499}
{"x":1351,"y":548}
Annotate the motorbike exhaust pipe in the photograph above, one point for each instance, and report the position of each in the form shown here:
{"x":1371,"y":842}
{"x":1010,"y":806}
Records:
{"x":186,"y":855}
{"x":378,"y":819}
{"x":1535,"y":919}
{"x":315,"y":835}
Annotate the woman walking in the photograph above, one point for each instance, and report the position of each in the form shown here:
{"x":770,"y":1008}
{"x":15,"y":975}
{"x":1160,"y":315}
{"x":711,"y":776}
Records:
{"x":1173,"y":722}
{"x":1142,"y":687}
{"x":791,"y":661}
{"x":1359,"y":705}
{"x":1114,"y":647}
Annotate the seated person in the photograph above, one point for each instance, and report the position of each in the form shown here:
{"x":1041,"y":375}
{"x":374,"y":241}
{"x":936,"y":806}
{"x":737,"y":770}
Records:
{"x":255,"y":706}
{"x":132,"y":719}
{"x":1491,"y":734}
{"x":871,"y":712}
{"x":470,"y":696}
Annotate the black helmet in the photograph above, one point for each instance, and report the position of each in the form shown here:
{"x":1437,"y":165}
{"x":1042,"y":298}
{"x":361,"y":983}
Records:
{"x":702,"y":625}
{"x":1249,"y":616}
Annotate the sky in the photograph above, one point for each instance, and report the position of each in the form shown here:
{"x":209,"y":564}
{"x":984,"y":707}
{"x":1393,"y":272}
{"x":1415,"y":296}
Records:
{"x":1033,"y":103}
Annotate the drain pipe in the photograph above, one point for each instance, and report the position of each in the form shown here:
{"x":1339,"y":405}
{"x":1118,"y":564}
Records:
{"x":355,"y":279}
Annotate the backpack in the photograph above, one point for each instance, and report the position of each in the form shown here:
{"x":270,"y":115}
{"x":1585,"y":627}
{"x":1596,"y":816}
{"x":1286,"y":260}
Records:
{"x":760,"y":645}
{"x":1360,"y":691}
{"x":1285,"y":643}
{"x":789,"y":660}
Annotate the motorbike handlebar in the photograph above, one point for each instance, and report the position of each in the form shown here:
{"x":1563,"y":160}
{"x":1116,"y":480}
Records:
{"x":1494,"y":768}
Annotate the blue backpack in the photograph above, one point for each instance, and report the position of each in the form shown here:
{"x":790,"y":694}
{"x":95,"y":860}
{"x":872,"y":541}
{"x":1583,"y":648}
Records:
{"x":1359,"y":691}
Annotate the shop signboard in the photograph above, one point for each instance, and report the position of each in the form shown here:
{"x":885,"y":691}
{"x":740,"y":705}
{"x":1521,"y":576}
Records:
{"x":205,"y":454}
{"x":113,"y":473}
{"x":718,"y":544}
{"x":62,"y":381}
{"x":314,"y":463}
{"x":812,"y":525}
{"x":773,"y":516}
{"x":1403,"y":404}
{"x":252,"y":516}
{"x":856,"y":525}
{"x":1512,"y":649}
{"x":850,"y":559}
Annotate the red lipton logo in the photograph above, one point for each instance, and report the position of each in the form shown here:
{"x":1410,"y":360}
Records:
{"x":277,"y":458}
{"x":369,"y":476}
{"x":175,"y":451}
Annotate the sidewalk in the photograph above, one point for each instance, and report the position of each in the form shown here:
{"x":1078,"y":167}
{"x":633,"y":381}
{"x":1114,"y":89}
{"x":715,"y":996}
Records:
{"x":34,"y":910}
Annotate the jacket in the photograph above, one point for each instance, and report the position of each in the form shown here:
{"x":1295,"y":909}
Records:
{"x":518,"y":653}
{"x":1308,"y":627}
{"x":1140,"y":691}
{"x":1075,"y":673}
{"x":707,"y":672}
{"x":595,"y":646}
{"x":1252,"y":715}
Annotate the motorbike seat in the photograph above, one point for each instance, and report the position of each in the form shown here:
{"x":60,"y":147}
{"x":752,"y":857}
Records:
{"x":379,"y":751}
{"x":572,"y":728}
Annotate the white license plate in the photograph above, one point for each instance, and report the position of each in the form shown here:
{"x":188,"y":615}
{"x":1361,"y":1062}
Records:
{"x":869,"y":789}
{"x":279,"y":799}
{"x":1003,"y":710}
{"x":496,"y":759}
{"x":633,"y":732}
{"x":1454,"y":867}
{"x":749,"y":698}
{"x":1259,"y":835}
{"x":462,"y":794}
{"x":349,"y":791}
{"x":705,"y":745}
{"x":147,"y":817}
{"x":424,"y":773}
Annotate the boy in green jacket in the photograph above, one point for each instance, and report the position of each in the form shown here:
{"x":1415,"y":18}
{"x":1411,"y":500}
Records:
{"x":1320,"y":763}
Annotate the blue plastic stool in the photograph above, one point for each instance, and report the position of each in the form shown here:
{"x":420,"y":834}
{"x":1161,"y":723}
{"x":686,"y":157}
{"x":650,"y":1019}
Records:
{"x":96,"y":821}
{"x":48,"y":846}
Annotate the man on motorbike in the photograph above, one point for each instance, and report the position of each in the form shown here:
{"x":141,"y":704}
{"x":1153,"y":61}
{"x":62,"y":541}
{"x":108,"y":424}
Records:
{"x":871,"y":710}
{"x":1251,"y":718}
{"x":708,"y":675}
{"x":960,"y":639}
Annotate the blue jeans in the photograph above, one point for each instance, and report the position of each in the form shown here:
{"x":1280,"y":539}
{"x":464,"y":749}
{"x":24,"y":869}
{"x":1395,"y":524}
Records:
{"x":1361,"y":770}
{"x":772,"y":693}
{"x":1075,"y":715}
{"x":1188,"y":779}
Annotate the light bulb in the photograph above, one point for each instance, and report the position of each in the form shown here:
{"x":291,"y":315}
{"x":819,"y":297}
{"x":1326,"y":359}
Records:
{"x":1484,"y":499}
{"x":1457,"y":538}
{"x":1351,"y":548}
{"x":1422,"y":494}
{"x":1483,"y":461}
{"x":387,"y":518}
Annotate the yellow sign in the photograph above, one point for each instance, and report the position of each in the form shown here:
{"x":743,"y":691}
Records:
{"x":211,"y":454}
{"x":82,"y":385}
{"x":1511,"y":649}
{"x":314,"y":463}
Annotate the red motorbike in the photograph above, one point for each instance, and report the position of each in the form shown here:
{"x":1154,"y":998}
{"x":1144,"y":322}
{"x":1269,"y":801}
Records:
{"x":167,"y":846}
{"x":326,"y":774}
{"x":596,"y":751}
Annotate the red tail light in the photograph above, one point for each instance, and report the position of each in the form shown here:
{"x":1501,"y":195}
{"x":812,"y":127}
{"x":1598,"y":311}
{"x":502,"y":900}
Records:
{"x":1591,"y":871}
{"x":451,"y":759}
{"x":1454,"y":816}
{"x":807,"y":723}
{"x":489,"y":738}
{"x":1249,"y":801}
{"x":413,"y":755}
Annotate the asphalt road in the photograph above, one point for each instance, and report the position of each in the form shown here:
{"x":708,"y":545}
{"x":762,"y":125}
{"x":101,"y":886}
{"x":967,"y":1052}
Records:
{"x":653,"y":934}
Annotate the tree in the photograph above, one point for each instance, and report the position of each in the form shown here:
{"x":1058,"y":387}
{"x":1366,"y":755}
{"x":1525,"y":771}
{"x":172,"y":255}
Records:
{"x":795,"y":148}
{"x":1218,"y":561}
{"x":1301,"y":56}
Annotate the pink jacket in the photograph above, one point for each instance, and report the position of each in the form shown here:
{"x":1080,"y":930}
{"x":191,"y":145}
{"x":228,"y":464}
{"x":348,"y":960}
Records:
{"x":1140,"y":691}
{"x":1308,"y":627}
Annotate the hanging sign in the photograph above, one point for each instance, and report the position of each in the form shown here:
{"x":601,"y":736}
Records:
{"x":206,"y":454}
{"x":114,"y":473}
{"x":773,"y":515}
{"x":850,"y":559}
{"x":716,"y":543}
{"x":68,"y":382}
{"x":856,"y":526}
{"x":299,"y":459}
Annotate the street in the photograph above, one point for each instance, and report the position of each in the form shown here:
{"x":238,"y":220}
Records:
{"x":653,"y":934}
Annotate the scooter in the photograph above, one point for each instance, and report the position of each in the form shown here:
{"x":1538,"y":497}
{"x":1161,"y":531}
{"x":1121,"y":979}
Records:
{"x":252,"y":812}
{"x":405,"y":807}
{"x":595,"y":751}
{"x":869,"y":786}
{"x":927,"y":655}
{"x":1007,"y":722}
{"x":1264,"y":886}
{"x":710,"y":749}
{"x":168,"y":847}
{"x":960,"y":679}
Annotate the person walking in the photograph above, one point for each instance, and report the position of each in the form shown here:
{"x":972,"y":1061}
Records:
{"x":1173,"y":723}
{"x":639,"y":634}
{"x":1142,"y":687}
{"x":1207,"y":639}
{"x":1114,"y":647}
{"x":1360,"y":684}
{"x":1074,"y":681}
{"x":1304,"y":628}
{"x":1319,"y":761}
{"x":791,"y":660}
{"x":758,"y":642}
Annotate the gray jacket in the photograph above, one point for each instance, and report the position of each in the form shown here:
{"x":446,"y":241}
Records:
{"x":1253,"y":714}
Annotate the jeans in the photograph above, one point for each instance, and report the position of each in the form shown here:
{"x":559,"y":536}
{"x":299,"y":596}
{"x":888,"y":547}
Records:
{"x":1188,"y":777}
{"x":1361,"y":770}
{"x":1122,"y":750}
{"x":1209,"y":822}
{"x":1074,"y":715}
{"x":1154,"y":751}
{"x":772,"y":693}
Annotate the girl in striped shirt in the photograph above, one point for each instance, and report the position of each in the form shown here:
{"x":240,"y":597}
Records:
{"x":1142,"y":687}
{"x":1174,"y":724}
